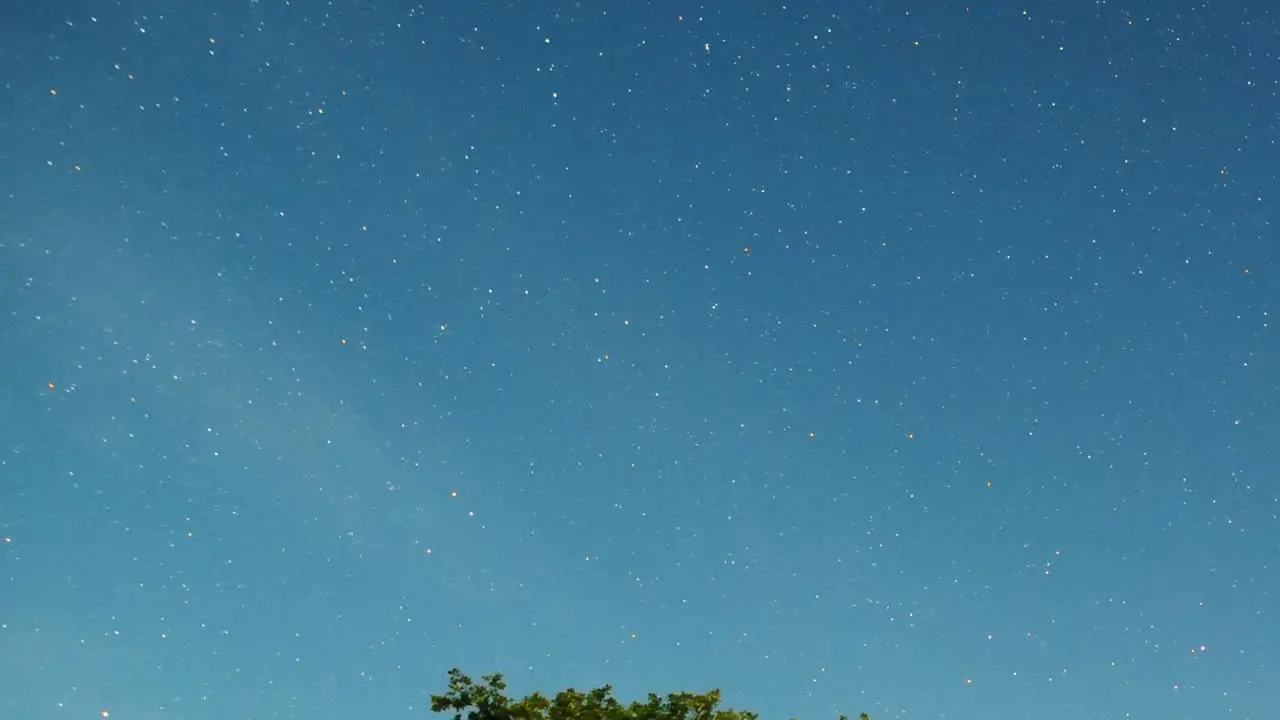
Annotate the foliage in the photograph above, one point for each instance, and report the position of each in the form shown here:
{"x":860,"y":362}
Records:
{"x":488,"y":701}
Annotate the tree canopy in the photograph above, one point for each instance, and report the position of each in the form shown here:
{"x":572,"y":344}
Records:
{"x":487,"y":700}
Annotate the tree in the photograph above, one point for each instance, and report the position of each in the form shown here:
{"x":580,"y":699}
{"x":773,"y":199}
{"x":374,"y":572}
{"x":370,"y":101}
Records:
{"x":488,"y":701}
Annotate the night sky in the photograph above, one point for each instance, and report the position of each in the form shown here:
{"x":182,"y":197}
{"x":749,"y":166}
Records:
{"x":917,"y":358}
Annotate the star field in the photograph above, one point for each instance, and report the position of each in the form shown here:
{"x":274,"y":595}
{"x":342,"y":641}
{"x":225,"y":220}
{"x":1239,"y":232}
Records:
{"x":918,"y":359}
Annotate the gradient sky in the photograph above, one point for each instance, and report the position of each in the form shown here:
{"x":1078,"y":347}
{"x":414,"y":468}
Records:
{"x":918,"y":358}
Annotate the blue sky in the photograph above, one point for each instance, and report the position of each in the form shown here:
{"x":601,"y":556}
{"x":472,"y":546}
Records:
{"x":916,"y":359}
